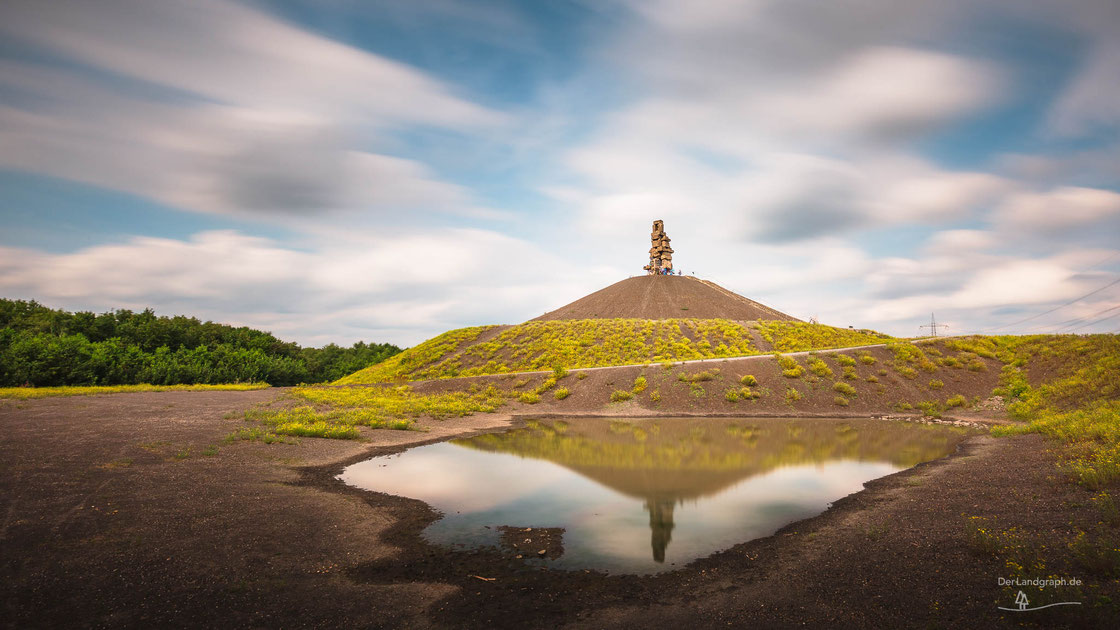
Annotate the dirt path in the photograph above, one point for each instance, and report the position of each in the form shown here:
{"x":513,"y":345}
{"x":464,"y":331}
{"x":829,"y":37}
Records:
{"x":115,"y":517}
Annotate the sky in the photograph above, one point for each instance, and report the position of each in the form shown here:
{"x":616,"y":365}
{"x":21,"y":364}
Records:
{"x":344,"y":170}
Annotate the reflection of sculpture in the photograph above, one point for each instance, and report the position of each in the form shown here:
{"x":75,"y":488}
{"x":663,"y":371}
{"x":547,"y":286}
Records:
{"x":660,"y":526}
{"x":660,"y":254}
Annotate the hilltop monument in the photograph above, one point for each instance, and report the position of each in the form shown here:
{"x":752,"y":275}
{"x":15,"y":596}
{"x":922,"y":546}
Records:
{"x":660,"y":254}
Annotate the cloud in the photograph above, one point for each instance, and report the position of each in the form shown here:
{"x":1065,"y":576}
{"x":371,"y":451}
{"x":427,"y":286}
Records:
{"x":233,"y":54}
{"x":402,"y":287}
{"x":226,"y":109}
{"x":1059,"y":210}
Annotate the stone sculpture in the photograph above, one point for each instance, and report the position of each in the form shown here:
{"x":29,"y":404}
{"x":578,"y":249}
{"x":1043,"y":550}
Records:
{"x":660,"y":254}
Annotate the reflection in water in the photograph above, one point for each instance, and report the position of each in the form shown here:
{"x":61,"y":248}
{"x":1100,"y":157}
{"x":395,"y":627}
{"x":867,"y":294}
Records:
{"x":735,"y":480}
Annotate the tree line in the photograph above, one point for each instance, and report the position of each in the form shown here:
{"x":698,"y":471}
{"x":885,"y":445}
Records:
{"x":41,"y":346}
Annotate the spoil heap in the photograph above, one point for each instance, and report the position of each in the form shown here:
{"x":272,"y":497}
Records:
{"x":665,"y":297}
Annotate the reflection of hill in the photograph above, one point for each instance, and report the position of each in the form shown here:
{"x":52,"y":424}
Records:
{"x":688,"y":458}
{"x":667,"y":461}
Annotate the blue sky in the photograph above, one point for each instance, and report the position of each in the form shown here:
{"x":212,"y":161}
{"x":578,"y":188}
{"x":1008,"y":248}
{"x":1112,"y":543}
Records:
{"x":342,"y":169}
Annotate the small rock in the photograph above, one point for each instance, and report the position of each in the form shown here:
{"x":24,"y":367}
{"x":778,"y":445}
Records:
{"x":542,"y":552}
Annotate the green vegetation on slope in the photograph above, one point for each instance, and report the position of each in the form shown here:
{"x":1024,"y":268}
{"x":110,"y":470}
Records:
{"x":427,"y":360}
{"x":1080,"y":405}
{"x":41,"y":346}
{"x":572,"y":344}
{"x":802,"y":336}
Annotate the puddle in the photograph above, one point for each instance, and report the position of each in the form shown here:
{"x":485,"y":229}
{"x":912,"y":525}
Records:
{"x":644,"y":496}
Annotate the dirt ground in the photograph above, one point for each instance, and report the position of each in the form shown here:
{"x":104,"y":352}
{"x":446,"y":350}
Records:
{"x":118,"y":512}
{"x":664,"y":297}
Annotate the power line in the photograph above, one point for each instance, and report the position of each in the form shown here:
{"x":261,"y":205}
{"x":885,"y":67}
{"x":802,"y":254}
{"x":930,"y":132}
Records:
{"x":1073,"y":323}
{"x":1113,"y":283}
{"x":1093,"y":323}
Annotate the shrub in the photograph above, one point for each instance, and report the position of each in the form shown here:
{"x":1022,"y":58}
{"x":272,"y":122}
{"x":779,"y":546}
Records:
{"x":903,"y":406}
{"x":976,"y":365}
{"x":619,"y":395}
{"x":850,"y":373}
{"x":956,"y":401}
{"x":792,"y":395}
{"x":908,"y":372}
{"x":581,"y":375}
{"x":936,"y":384}
{"x":561,"y":393}
{"x":930,"y":408}
{"x":841,"y":401}
{"x":749,"y":380}
{"x":747,"y":393}
{"x":698,"y":377}
{"x":529,"y":398}
{"x":843,"y":388}
{"x":882,"y":372}
{"x":819,"y":367}
{"x":845,"y":360}
{"x":872,"y":379}
{"x":731,"y":395}
{"x":867,"y":359}
{"x":639,"y":385}
{"x":655,"y":396}
{"x":559,"y":372}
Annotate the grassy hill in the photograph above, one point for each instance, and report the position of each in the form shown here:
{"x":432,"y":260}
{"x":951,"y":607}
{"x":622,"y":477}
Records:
{"x":584,"y":343}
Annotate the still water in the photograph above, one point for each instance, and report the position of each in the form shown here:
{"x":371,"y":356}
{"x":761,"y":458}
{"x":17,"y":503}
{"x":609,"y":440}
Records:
{"x":649,"y":495}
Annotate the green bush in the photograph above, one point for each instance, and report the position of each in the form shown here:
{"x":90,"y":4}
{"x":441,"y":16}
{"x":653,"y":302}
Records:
{"x":731,"y":395}
{"x":792,"y":395}
{"x":841,"y":401}
{"x":639,"y":385}
{"x":956,"y":401}
{"x":529,"y":398}
{"x":749,"y":380}
{"x":936,"y":384}
{"x":845,"y":360}
{"x":843,"y":388}
{"x":561,"y":393}
{"x":619,"y":395}
{"x":819,"y":367}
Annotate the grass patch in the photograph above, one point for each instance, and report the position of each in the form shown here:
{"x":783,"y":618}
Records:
{"x":843,"y":388}
{"x":122,"y":462}
{"x":27,"y":393}
{"x":619,"y":395}
{"x":748,"y":380}
{"x":256,"y":434}
{"x":337,"y":424}
{"x":561,"y":393}
{"x":792,"y":395}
